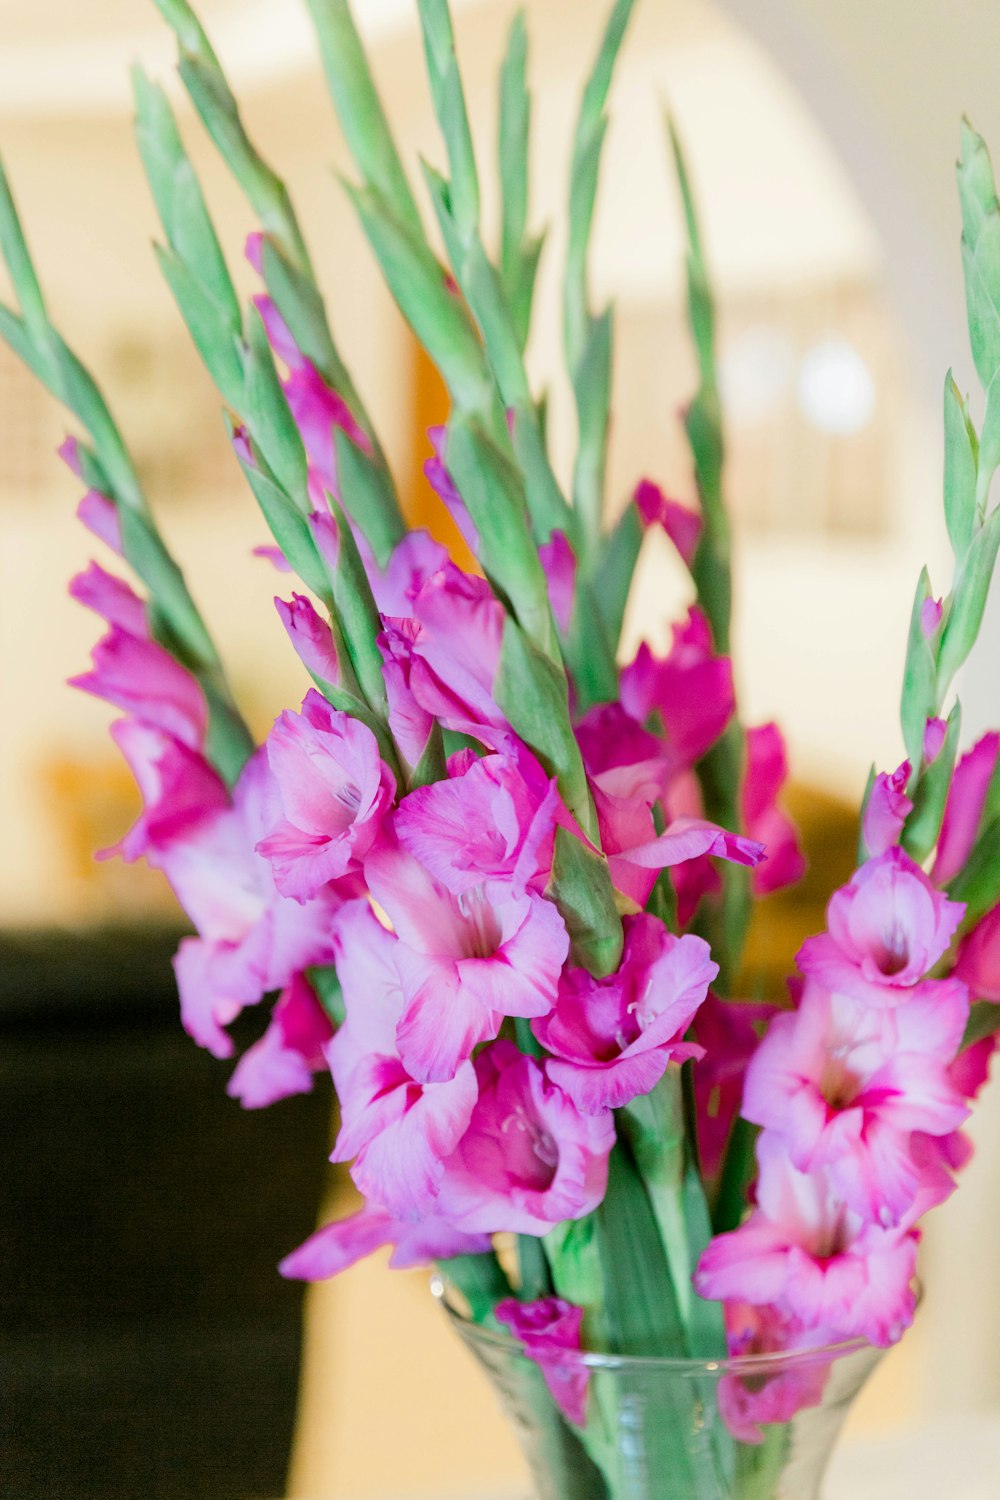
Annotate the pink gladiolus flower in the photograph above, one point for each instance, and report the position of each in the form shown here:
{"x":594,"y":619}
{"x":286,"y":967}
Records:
{"x":683,"y":526}
{"x":935,"y":734}
{"x":749,"y":1403}
{"x":964,"y":808}
{"x":886,"y":929}
{"x":96,"y":511}
{"x":529,"y":1158}
{"x":623,"y":760}
{"x":636,"y":853}
{"x":559,"y":564}
{"x":445,"y":488}
{"x":409,"y":723}
{"x":727,"y":1032}
{"x":888,"y":809}
{"x":334,"y":791}
{"x":251,"y":940}
{"x":690,"y":688}
{"x":453,"y":652}
{"x":415,"y":560}
{"x":549,"y":1330}
{"x":180,"y":790}
{"x":846,"y":1083}
{"x":465,"y":961}
{"x":311,"y":637}
{"x":765,"y":775}
{"x":978,"y":962}
{"x":138,"y":675}
{"x":805,"y":1253}
{"x":111,"y":598}
{"x":612,"y":1038}
{"x":930,"y":616}
{"x":493,"y":819}
{"x":337,"y":1246}
{"x":274,"y":555}
{"x":283,"y":1062}
{"x":399,"y":1130}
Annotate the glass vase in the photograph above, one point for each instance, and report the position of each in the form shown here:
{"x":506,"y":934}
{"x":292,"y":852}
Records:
{"x":608,"y":1427}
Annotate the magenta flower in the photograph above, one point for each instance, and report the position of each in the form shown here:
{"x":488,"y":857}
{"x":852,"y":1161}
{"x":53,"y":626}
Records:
{"x":549,"y":1330}
{"x":978,"y":961}
{"x":804,"y":1252}
{"x":251,"y":940}
{"x":727,"y":1031}
{"x":765,"y":775}
{"x":964,"y":808}
{"x":141,"y":677}
{"x":340,"y":1245}
{"x":311,"y":637}
{"x":180,"y":790}
{"x":886,"y":928}
{"x":846,"y":1084}
{"x":333,"y":790}
{"x":529,"y":1158}
{"x":96,"y":511}
{"x":283,"y":1062}
{"x":111,"y":598}
{"x":399,"y":1130}
{"x":691,"y":689}
{"x":414,"y":561}
{"x":612,"y":1038}
{"x":750,"y":1402}
{"x":888,"y":809}
{"x":465,"y":960}
{"x":559,"y":565}
{"x":682,"y":525}
{"x":623,"y":760}
{"x":636,"y":853}
{"x":493,"y":819}
{"x":409,"y":723}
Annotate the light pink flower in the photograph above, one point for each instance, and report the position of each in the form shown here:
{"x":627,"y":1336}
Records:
{"x":807,"y":1254}
{"x":846,"y":1083}
{"x":636,"y":853}
{"x":529,"y":1158}
{"x":311,"y":637}
{"x":559,"y":565}
{"x":935,"y":734}
{"x":445,"y":488}
{"x":888,"y":809}
{"x":549,"y":1330}
{"x":682,"y":525}
{"x":493,"y":819}
{"x":978,"y":961}
{"x":179,"y":789}
{"x":964,"y":808}
{"x":337,"y":1246}
{"x":465,"y":960}
{"x":111,"y":598}
{"x":140,"y":676}
{"x":930,"y":616}
{"x":96,"y":511}
{"x":399,"y":1130}
{"x":612,"y":1038}
{"x":414,"y":561}
{"x":334,"y":791}
{"x":691,"y":689}
{"x":765,"y":775}
{"x":409,"y":723}
{"x":283,"y":1062}
{"x":886,"y":928}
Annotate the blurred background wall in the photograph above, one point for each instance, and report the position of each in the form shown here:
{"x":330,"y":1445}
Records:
{"x":821,"y":140}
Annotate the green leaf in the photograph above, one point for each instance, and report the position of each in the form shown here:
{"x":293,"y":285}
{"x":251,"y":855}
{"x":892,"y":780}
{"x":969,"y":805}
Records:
{"x":269,"y":418}
{"x":328,"y":992}
{"x":920,"y":690}
{"x":521,"y":287}
{"x":592,"y":385}
{"x":358,"y":614}
{"x":960,"y":461}
{"x":19,"y":264}
{"x":298,"y":300}
{"x":983,"y":315}
{"x":976,"y":192}
{"x":532,"y":693}
{"x":924,"y":823}
{"x":988,"y":457}
{"x":978,"y":881}
{"x":546,"y":505}
{"x":613,"y":570}
{"x":481,"y":1281}
{"x":984,"y":1021}
{"x":211,"y":336}
{"x":289,"y":528}
{"x":368,"y":497}
{"x":449,"y":106}
{"x":417,"y":282}
{"x":588,"y":652}
{"x":179,"y":200}
{"x":581,"y":888}
{"x":513,"y":132}
{"x":493,"y":491}
{"x":969,"y":594}
{"x":360,"y":111}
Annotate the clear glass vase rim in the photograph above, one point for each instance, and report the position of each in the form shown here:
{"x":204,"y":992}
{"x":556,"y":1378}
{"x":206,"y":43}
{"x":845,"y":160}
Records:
{"x":746,"y":1365}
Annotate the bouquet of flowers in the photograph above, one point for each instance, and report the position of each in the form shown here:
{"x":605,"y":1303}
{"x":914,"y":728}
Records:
{"x":498,"y":882}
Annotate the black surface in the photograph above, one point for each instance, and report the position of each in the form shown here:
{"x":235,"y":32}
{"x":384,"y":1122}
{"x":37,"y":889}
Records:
{"x":148,"y":1348}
